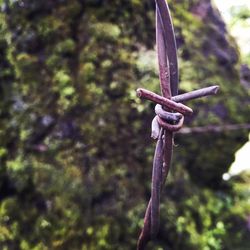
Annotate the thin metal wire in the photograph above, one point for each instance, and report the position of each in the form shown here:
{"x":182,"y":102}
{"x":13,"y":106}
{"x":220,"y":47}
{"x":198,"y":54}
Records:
{"x":169,"y":116}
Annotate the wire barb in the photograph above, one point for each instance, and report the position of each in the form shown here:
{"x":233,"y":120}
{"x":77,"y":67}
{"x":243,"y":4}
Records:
{"x":170,"y":113}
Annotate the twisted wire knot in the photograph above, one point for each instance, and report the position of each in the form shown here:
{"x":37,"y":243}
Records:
{"x":166,"y":120}
{"x":170,"y":122}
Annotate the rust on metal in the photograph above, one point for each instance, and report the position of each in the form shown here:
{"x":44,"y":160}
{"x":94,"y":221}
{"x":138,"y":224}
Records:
{"x":170,"y":113}
{"x":167,"y":103}
{"x":170,"y":127}
{"x":213,"y":90}
{"x":167,"y":50}
{"x":168,"y":116}
{"x":156,"y":186}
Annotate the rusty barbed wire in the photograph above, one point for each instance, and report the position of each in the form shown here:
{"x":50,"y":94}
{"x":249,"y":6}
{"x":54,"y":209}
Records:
{"x":170,"y":114}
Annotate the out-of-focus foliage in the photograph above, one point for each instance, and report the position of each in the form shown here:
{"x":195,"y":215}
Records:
{"x":240,"y":24}
{"x":75,"y":151}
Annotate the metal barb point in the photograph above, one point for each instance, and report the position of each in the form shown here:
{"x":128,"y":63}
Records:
{"x":169,"y":116}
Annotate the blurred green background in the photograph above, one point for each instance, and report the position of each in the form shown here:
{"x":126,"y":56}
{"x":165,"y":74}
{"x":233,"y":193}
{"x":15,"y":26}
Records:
{"x":75,"y":147}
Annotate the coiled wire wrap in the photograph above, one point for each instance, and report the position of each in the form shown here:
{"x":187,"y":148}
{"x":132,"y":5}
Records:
{"x":167,"y":120}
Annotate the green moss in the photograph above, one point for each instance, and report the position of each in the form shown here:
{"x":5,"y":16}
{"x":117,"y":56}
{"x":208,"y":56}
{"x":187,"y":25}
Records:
{"x":75,"y":143}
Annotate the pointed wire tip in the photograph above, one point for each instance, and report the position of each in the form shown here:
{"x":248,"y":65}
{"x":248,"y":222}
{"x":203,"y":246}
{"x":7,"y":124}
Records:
{"x":215,"y":89}
{"x":139,"y":92}
{"x":155,"y":128}
{"x":154,"y":135}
